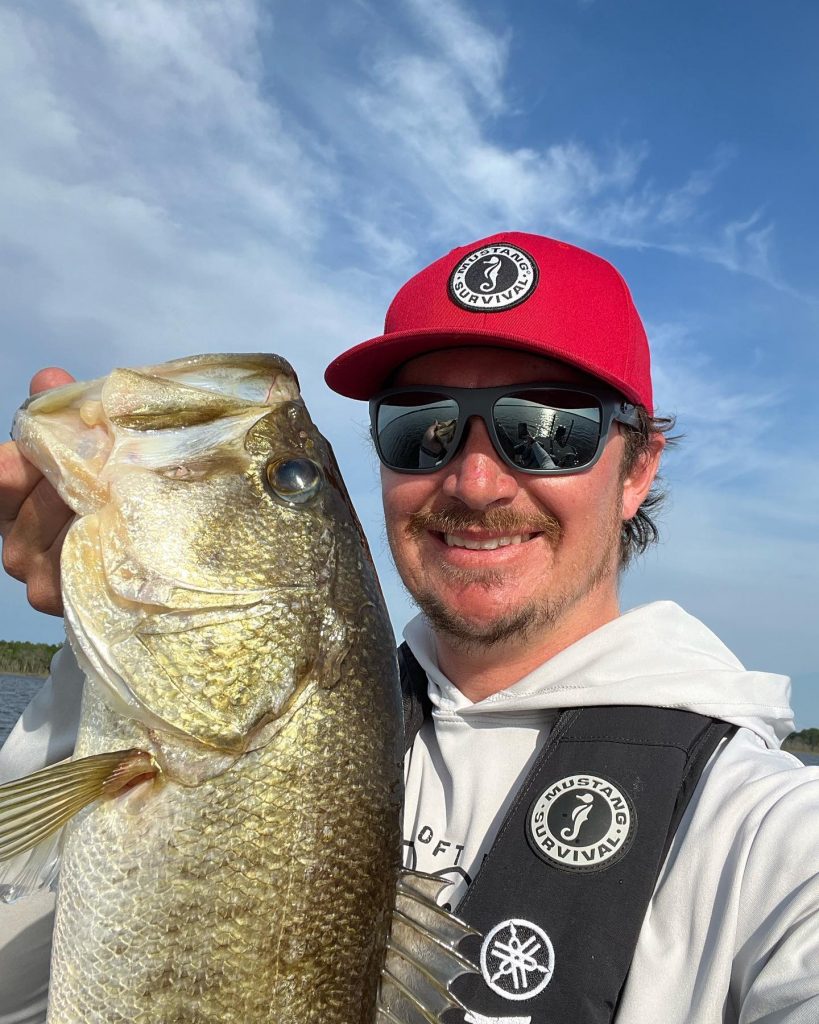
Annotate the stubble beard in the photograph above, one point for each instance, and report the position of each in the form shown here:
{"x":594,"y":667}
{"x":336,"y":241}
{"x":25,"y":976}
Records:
{"x":537,"y":617}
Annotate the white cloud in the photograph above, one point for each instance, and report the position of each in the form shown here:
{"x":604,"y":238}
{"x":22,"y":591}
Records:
{"x":439,"y":146}
{"x":725,"y":418}
{"x":424,"y":114}
{"x":477,"y":53}
{"x":174,"y":210}
{"x":741,"y":246}
{"x":154,"y":187}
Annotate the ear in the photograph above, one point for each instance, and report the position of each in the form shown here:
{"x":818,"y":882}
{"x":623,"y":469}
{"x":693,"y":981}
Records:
{"x":637,"y":483}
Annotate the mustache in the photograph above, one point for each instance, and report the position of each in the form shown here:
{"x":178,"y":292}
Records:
{"x":507,"y":521}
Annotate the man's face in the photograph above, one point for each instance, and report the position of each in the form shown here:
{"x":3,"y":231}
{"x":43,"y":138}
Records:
{"x":548,"y":546}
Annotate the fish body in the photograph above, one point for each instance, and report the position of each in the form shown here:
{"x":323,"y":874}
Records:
{"x":220,"y":596}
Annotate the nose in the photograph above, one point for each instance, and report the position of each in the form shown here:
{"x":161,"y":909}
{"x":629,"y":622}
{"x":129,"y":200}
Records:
{"x":477,"y":476}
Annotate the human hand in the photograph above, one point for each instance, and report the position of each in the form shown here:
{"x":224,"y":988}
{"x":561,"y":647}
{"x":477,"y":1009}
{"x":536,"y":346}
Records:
{"x":33,"y":518}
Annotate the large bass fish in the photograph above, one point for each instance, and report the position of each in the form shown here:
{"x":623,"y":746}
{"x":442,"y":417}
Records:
{"x":232,"y":846}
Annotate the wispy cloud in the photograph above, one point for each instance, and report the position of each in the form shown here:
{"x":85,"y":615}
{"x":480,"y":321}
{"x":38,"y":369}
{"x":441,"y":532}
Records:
{"x":426,"y":110}
{"x":162,"y":189}
{"x":154,"y":136}
{"x":171,"y":207}
{"x":726,"y":419}
{"x":477,"y":54}
{"x":743,"y":246}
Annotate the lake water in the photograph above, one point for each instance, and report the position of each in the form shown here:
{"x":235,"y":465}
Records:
{"x":17,"y":691}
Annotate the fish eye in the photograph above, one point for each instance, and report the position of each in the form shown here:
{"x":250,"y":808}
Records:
{"x":295,"y":481}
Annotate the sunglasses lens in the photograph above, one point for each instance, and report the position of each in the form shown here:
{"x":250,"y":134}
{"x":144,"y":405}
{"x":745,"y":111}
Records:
{"x":538,"y":429}
{"x":416,"y":431}
{"x":541,"y":429}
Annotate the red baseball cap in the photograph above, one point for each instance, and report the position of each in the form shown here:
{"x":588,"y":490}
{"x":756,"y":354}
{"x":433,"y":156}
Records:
{"x":512,"y":290}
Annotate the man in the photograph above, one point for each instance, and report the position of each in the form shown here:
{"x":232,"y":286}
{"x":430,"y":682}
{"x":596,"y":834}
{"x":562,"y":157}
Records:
{"x":603,"y":793}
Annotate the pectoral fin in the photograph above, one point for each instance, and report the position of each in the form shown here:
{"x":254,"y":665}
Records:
{"x":422,"y":956}
{"x":33,"y":809}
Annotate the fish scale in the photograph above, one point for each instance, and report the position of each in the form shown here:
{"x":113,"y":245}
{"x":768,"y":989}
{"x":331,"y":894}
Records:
{"x":290,"y":918}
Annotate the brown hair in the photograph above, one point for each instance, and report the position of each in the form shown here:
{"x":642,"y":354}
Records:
{"x":640,"y":532}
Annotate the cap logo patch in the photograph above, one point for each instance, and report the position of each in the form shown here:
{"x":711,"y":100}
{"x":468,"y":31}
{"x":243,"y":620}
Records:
{"x":581,"y":823}
{"x":493,"y":278}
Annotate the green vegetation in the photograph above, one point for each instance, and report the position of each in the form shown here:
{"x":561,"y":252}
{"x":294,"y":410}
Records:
{"x":804,"y":742}
{"x":25,"y":659}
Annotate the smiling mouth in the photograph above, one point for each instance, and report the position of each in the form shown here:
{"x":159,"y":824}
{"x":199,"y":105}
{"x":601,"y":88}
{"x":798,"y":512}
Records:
{"x":455,"y":540}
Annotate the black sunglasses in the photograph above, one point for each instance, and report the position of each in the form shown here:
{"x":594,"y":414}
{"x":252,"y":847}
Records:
{"x":538,"y":428}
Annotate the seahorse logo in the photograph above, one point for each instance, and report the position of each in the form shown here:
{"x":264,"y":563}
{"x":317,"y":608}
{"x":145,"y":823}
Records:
{"x":582,"y":823}
{"x":579,"y":816}
{"x":492,"y":278}
{"x":492,"y":269}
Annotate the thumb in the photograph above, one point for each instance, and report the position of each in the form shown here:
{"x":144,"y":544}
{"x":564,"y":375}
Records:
{"x":50,"y":377}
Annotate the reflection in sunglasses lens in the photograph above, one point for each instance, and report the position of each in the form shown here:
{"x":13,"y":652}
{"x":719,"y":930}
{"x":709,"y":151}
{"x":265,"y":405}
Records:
{"x":544,"y":430}
{"x":416,"y":431}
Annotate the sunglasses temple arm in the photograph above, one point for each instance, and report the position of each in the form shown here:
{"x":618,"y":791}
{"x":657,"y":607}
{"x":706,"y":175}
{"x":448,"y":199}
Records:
{"x":628,"y":414}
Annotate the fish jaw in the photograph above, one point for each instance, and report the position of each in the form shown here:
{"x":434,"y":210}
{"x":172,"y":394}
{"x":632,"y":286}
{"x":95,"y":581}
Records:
{"x":70,"y":453}
{"x":69,"y":432}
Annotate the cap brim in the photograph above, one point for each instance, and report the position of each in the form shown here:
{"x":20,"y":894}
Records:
{"x":364,"y":370}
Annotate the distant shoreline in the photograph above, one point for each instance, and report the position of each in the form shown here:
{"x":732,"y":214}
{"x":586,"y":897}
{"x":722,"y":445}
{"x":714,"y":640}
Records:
{"x":806,"y":741}
{"x":799,"y":748}
{"x":33,"y":661}
{"x":22,"y":658}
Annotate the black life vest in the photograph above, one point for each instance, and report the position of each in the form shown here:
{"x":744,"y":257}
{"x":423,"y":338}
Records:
{"x":562,"y":894}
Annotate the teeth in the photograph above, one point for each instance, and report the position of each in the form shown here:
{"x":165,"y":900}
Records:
{"x":454,"y":541}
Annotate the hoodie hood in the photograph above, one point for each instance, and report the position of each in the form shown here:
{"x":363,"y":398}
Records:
{"x":655,"y":655}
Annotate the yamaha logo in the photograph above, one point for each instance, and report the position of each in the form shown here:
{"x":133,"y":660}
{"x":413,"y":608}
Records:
{"x":581,"y":823}
{"x":517,"y":959}
{"x":493,"y":278}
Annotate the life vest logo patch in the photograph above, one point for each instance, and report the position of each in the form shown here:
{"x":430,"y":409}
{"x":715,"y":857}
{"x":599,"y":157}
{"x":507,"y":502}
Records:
{"x":493,"y":278}
{"x":517,"y":959}
{"x":581,"y":823}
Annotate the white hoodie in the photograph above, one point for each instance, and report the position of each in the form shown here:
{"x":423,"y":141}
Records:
{"x":732,"y":932}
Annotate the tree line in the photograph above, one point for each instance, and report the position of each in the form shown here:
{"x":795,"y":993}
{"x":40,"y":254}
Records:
{"x":804,"y":742}
{"x":23,"y":658}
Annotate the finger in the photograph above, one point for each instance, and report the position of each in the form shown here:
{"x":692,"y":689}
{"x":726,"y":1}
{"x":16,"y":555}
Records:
{"x":50,"y":377}
{"x":18,"y":478}
{"x":42,"y":516}
{"x":43,"y":588}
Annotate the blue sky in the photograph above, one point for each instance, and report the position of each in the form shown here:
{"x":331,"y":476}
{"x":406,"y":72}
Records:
{"x":208,"y":175}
